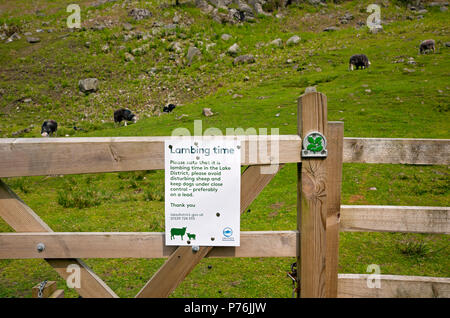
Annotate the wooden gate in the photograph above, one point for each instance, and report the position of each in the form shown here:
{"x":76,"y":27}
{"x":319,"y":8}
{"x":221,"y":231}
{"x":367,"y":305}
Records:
{"x":320,"y":215}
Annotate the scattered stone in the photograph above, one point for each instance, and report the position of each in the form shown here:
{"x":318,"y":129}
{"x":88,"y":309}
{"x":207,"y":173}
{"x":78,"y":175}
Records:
{"x":293,"y":40}
{"x":373,"y":189}
{"x":225,"y":37}
{"x":23,"y":131}
{"x":28,"y":34}
{"x":234,"y":49}
{"x":139,"y":14}
{"x":411,"y":61}
{"x":277,"y":43}
{"x":88,"y":85}
{"x":14,"y":36}
{"x":33,"y":39}
{"x":192,"y":53}
{"x":310,"y":89}
{"x":39,"y":30}
{"x":129,"y":57}
{"x":376,"y":28}
{"x":175,"y":47}
{"x":443,"y":9}
{"x":87,"y":44}
{"x":128,"y":26}
{"x":237,"y":96}
{"x":27,"y":100}
{"x":447,"y":44}
{"x":209,"y":46}
{"x":105,"y":48}
{"x":330,"y":29}
{"x":246,"y":78}
{"x":181,"y":116}
{"x":244,"y":59}
{"x":368,"y":91}
{"x":98,"y":27}
{"x":140,"y":50}
{"x":39,"y":13}
{"x":408,"y":70}
{"x":259,"y":10}
{"x":176,"y":19}
{"x":277,"y":115}
{"x":207,"y":112}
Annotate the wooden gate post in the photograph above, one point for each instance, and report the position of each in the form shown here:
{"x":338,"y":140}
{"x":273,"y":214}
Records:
{"x":335,"y":139}
{"x":312,"y":200}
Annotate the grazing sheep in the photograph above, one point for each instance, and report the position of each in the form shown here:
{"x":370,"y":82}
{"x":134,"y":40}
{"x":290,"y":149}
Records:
{"x":169,"y":108}
{"x":125,"y":115}
{"x":359,"y":61}
{"x":427,"y":45}
{"x":48,"y":128}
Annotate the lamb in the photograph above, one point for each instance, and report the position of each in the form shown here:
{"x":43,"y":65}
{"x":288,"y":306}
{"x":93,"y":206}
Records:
{"x":359,"y":61}
{"x":125,"y":115}
{"x":427,"y":45}
{"x":48,"y":128}
{"x":191,"y":236}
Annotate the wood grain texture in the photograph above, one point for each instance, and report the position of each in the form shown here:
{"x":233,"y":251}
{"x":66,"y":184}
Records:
{"x":183,"y":260}
{"x":49,"y":156}
{"x":136,"y":245}
{"x":394,"y":286}
{"x":22,"y":219}
{"x":312,"y":204}
{"x":57,"y":294}
{"x":384,"y":218}
{"x":397,"y":151}
{"x":335,"y":138}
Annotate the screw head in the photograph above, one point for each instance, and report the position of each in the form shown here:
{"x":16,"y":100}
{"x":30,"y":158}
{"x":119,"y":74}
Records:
{"x":40,"y":247}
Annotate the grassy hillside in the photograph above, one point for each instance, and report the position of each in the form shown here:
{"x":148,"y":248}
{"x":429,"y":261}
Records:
{"x":391,"y":99}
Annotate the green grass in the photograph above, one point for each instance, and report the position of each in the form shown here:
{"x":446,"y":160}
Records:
{"x":399,"y":104}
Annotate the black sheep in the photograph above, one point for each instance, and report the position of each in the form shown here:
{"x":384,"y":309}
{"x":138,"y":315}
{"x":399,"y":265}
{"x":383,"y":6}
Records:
{"x":48,"y":128}
{"x":427,"y":45}
{"x":169,"y":108}
{"x":359,"y":61}
{"x":125,"y":115}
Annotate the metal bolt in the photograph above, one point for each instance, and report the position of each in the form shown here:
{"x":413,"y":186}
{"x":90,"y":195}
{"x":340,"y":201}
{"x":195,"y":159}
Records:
{"x":40,"y":247}
{"x":195,"y":248}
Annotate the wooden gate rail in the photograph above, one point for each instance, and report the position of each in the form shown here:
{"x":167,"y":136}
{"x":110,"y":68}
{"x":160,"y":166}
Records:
{"x":320,"y":215}
{"x":253,"y":243}
{"x":41,"y":156}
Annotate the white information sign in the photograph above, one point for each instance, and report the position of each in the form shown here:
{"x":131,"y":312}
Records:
{"x":202,"y":191}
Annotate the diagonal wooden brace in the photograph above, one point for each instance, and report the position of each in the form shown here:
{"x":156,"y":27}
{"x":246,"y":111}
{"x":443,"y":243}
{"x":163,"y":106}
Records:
{"x":183,"y":260}
{"x":23,"y":219}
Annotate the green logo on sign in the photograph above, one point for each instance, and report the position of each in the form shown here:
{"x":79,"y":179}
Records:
{"x":314,"y":145}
